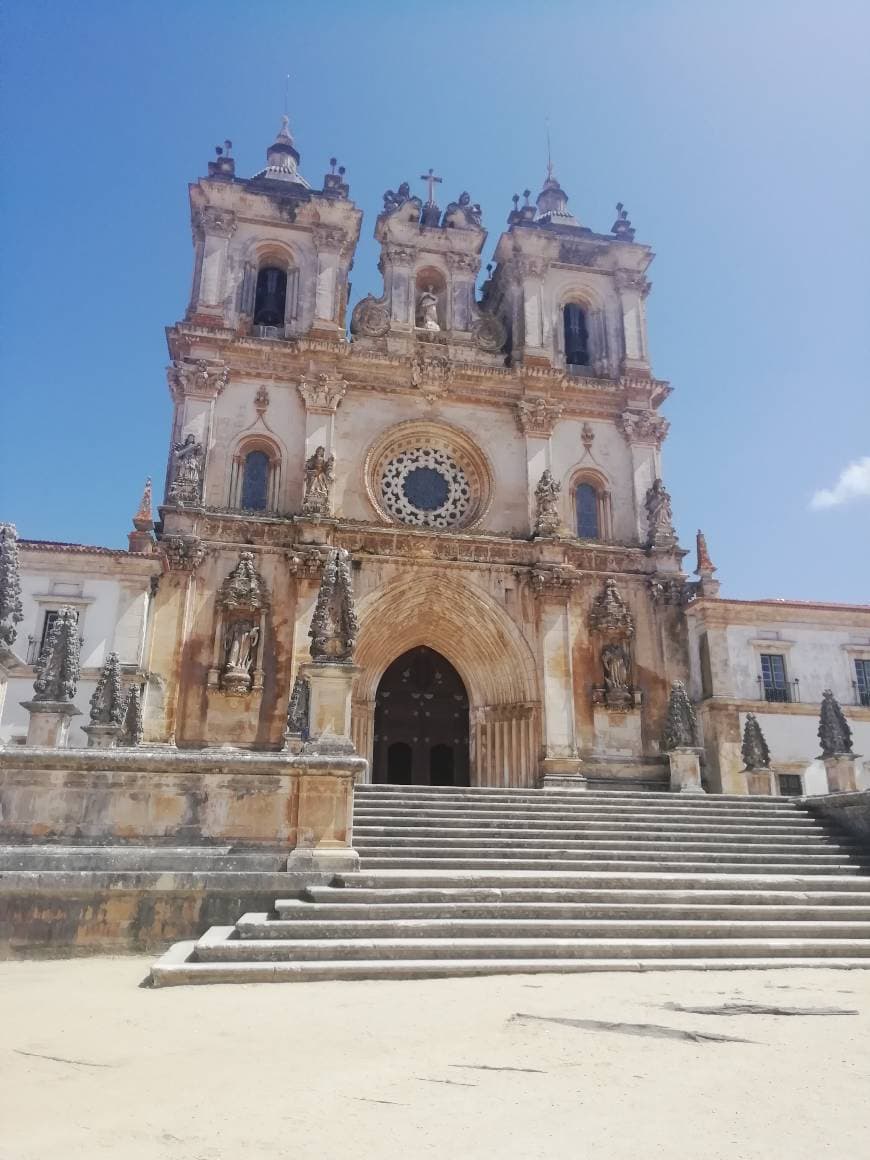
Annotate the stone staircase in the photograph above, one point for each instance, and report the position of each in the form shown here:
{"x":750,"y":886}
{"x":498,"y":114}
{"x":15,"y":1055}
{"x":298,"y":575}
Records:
{"x":486,"y":881}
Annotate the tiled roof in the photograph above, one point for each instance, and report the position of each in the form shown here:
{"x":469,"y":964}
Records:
{"x":77,"y":549}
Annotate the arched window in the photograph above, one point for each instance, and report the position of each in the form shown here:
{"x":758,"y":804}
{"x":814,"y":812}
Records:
{"x":270,"y":298}
{"x":255,"y":482}
{"x":576,"y":336}
{"x":587,"y":504}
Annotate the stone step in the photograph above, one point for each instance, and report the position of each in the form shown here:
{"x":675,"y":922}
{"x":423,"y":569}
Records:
{"x":434,"y":815}
{"x":619,"y":797}
{"x":387,"y":910}
{"x":816,"y":845}
{"x":651,"y":863}
{"x":625,"y":855}
{"x":179,"y":966}
{"x":517,"y":823}
{"x":505,"y":878}
{"x":820,"y":895}
{"x":261,"y":926}
{"x":221,"y":944}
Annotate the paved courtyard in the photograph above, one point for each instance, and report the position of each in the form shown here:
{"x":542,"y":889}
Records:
{"x":518,"y":1067}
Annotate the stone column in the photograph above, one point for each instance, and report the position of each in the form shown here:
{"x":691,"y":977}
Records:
{"x":644,"y":431}
{"x":463,"y":271}
{"x":321,"y":394}
{"x":195,"y":386}
{"x":324,"y":818}
{"x":398,"y":289}
{"x":633,"y":288}
{"x":213,"y":228}
{"x":537,"y":418}
{"x":329,"y":719}
{"x":331,"y":244}
{"x":553,"y":589}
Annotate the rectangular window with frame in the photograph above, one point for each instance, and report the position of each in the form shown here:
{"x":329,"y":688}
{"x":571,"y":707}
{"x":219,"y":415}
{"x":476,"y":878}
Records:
{"x":862,"y":681}
{"x":790,"y":784}
{"x":773,"y":677}
{"x":51,"y":616}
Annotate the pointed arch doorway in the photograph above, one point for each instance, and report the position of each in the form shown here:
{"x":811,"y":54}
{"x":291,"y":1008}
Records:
{"x":421,"y":722}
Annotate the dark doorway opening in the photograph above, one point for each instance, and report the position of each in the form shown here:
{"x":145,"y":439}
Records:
{"x":421,"y":722}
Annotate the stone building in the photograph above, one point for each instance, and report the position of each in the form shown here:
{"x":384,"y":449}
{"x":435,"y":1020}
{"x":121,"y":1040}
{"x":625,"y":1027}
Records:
{"x":490,"y":460}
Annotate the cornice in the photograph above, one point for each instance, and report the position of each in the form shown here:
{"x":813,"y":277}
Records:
{"x":723,"y":613}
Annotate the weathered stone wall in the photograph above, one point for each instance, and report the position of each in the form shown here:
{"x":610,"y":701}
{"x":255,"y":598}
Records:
{"x":176,"y":798}
{"x":850,"y":811}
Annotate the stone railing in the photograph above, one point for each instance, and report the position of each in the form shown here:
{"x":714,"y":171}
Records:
{"x":301,"y":804}
{"x":849,"y":811}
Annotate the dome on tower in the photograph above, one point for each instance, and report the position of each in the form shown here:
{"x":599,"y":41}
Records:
{"x":282,"y":158}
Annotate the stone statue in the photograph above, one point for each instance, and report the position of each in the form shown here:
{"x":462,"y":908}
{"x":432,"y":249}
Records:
{"x":548,"y":522}
{"x":395,"y":199}
{"x":834,"y":731}
{"x":334,"y":625}
{"x":660,"y":516}
{"x":187,"y":471}
{"x":680,"y":729}
{"x":468,"y":212}
{"x":11,"y":611}
{"x":240,"y":649}
{"x":756,"y":754}
{"x":319,"y":478}
{"x":616,"y":663}
{"x":427,"y":310}
{"x":107,"y":704}
{"x":58,"y":665}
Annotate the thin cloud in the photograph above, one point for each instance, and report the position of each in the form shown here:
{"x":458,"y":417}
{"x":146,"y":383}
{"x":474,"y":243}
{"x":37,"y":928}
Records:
{"x":853,"y":483}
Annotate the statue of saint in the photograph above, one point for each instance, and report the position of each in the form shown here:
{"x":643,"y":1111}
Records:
{"x":241,"y":646}
{"x":659,"y":514}
{"x":187,"y":475}
{"x":395,"y":199}
{"x":427,"y":310}
{"x":548,"y":521}
{"x":616,"y":663}
{"x":319,"y":478}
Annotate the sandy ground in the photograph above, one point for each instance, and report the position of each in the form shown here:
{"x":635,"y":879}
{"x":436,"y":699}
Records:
{"x":93,"y":1066}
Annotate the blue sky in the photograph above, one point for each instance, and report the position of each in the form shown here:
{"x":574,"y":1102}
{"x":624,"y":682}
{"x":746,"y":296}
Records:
{"x":735,"y":134}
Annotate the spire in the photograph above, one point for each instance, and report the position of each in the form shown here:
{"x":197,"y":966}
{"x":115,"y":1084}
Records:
{"x":282,"y":158}
{"x":834,"y":732}
{"x":680,"y":729}
{"x":552,"y":201}
{"x":705,"y":569}
{"x":57,"y":669}
{"x":141,"y":539}
{"x":756,"y":754}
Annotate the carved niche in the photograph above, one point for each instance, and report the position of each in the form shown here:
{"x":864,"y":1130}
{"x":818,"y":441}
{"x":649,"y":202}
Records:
{"x":612,"y":624}
{"x":240,"y":626}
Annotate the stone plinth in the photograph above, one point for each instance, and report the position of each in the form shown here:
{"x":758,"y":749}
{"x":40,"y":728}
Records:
{"x":685,"y":769}
{"x":842,"y":773}
{"x":324,"y":818}
{"x":102,"y":736}
{"x":49,"y":722}
{"x":617,"y":731}
{"x":329,"y":706}
{"x":759,"y":782}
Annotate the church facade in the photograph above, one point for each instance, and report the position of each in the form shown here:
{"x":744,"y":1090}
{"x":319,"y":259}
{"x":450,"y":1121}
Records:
{"x":491,"y":463}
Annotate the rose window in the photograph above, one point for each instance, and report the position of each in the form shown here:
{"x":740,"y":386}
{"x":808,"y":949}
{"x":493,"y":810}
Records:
{"x":425,"y":486}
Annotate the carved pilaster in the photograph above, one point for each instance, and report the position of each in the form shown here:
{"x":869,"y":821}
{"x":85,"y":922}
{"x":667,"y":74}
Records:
{"x":182,"y":553}
{"x":322,"y":394}
{"x":199,"y":378}
{"x":643,"y":427}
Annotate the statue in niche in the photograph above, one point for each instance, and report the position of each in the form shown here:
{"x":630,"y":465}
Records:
{"x":616,"y":664}
{"x":427,"y":310}
{"x":659,"y":515}
{"x":240,"y":650}
{"x":187,"y":470}
{"x":319,"y":478}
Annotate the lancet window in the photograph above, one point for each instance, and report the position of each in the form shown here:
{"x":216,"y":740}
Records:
{"x":576,"y":335}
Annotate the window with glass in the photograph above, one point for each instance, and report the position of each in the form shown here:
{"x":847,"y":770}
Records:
{"x":270,"y":298}
{"x":862,"y":681}
{"x":586,"y":502}
{"x":576,"y":336}
{"x":255,"y":482}
{"x":774,"y":682}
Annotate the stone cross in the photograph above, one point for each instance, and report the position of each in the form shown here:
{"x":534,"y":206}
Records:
{"x":431,"y":181}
